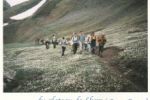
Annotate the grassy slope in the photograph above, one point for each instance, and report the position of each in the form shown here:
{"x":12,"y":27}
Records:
{"x":39,"y":70}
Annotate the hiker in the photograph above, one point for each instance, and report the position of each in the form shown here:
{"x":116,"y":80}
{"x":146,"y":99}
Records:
{"x":42,"y":41}
{"x":71,"y":43}
{"x":101,"y":40}
{"x":86,"y":43}
{"x":54,"y":41}
{"x":88,"y":39}
{"x":93,"y":42}
{"x":81,"y":41}
{"x":75,"y":41}
{"x":63,"y":43}
{"x":47,"y":43}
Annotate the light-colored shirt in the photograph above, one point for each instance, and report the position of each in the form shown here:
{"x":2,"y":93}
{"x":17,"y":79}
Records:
{"x":63,"y":42}
{"x":75,"y":39}
{"x":54,"y":39}
{"x":88,"y":39}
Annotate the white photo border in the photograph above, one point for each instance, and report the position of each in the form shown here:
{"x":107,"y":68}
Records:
{"x":67,"y":96}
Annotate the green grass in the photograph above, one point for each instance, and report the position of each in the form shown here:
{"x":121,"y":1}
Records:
{"x":41,"y":70}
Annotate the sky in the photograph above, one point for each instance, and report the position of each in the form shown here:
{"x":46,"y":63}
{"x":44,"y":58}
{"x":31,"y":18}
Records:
{"x":15,"y":2}
{"x":28,"y":12}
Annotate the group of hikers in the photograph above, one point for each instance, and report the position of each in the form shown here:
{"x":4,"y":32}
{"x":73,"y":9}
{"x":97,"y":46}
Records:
{"x":80,"y":41}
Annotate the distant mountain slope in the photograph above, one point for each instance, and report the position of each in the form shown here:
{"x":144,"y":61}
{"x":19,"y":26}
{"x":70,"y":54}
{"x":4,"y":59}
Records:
{"x":18,"y":9}
{"x":5,"y":5}
{"x":65,"y":16}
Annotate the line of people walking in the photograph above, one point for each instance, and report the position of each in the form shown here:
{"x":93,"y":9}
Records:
{"x":80,"y":42}
{"x":47,"y":42}
{"x":88,"y":42}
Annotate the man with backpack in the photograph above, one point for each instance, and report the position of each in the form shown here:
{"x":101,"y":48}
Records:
{"x":63,"y":43}
{"x":101,"y":42}
{"x":54,"y":41}
{"x":47,"y":43}
{"x":75,"y":41}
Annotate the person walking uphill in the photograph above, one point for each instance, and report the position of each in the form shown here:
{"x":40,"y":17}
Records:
{"x":101,"y":42}
{"x":93,"y":43}
{"x":54,"y":41}
{"x":47,"y":43}
{"x":82,"y":41}
{"x":88,"y":40}
{"x":75,"y":40}
{"x":86,"y":43}
{"x":63,"y":43}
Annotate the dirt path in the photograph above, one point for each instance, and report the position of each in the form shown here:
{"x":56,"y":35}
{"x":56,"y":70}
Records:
{"x":109,"y":55}
{"x":110,"y":52}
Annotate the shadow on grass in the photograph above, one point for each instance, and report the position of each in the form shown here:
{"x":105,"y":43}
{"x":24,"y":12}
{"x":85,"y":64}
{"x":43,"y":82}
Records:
{"x":134,"y":69}
{"x":22,"y":75}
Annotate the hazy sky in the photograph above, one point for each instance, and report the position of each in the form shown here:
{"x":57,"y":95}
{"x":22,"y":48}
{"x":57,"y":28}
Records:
{"x":29,"y":12}
{"x":15,"y":2}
